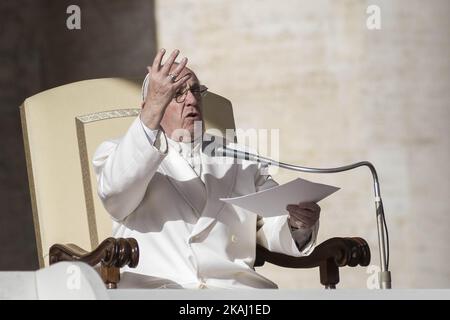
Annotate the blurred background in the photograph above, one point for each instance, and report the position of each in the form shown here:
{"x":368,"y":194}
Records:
{"x":337,"y":91}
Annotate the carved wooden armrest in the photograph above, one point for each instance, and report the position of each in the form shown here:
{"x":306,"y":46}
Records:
{"x":112,"y":254}
{"x":328,"y":256}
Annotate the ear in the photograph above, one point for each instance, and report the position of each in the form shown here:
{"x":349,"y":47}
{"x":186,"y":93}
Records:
{"x":144,"y":88}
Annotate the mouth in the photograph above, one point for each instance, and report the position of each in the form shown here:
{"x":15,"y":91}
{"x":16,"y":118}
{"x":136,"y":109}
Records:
{"x":193,"y":116}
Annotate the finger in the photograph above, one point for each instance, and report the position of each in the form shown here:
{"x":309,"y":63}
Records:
{"x":180,"y":67}
{"x":296,"y":207}
{"x":291,"y":207}
{"x":303,"y":221}
{"x":168,"y":64}
{"x":157,"y":61}
{"x":294,"y":218}
{"x":305,"y":213}
{"x":308,"y":221}
{"x":309,"y":205}
{"x":296,"y":223}
{"x":182,"y":80}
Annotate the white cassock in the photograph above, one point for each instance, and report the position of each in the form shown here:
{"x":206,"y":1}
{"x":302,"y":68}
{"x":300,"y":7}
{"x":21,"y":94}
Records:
{"x":165,"y":194}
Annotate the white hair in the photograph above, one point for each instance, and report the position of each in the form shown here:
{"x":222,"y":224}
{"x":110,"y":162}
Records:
{"x":145,"y":86}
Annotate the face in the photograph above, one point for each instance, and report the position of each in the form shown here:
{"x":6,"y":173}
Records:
{"x":179,"y":119}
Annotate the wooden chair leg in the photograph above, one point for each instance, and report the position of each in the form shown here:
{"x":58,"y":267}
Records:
{"x":329,"y":274}
{"x":110,"y":276}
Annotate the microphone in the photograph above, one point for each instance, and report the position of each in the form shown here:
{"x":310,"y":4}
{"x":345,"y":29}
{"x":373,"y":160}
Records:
{"x":216,"y":147}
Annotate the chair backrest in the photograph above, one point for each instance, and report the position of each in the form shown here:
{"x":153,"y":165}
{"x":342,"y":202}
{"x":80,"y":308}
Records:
{"x":62,"y":127}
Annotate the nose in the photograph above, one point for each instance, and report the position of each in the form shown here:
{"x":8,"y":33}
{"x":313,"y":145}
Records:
{"x":191,"y":99}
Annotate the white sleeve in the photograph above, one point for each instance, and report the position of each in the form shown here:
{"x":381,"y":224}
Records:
{"x":154,"y":137}
{"x":151,"y":134}
{"x":124,"y":169}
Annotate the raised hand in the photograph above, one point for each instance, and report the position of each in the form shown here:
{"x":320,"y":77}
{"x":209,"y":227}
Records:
{"x":163,"y":84}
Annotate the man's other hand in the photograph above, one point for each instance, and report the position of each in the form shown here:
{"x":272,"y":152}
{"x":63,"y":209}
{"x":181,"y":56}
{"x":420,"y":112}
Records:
{"x":303,"y":215}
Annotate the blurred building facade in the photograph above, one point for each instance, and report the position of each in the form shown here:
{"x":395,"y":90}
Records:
{"x":337,"y":91}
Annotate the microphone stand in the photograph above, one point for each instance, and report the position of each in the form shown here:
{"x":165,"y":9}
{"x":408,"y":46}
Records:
{"x":384,"y":276}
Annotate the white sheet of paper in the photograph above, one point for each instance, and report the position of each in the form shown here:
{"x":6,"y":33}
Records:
{"x":272,"y":202}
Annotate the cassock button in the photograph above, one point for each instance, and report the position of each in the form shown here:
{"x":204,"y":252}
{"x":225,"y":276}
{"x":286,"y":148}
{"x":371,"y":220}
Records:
{"x":234,"y":239}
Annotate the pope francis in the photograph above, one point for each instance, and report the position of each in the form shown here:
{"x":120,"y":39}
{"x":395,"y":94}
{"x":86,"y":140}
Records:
{"x":161,"y":189}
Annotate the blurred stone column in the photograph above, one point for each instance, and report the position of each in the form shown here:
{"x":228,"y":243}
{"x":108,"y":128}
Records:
{"x":38,"y":52}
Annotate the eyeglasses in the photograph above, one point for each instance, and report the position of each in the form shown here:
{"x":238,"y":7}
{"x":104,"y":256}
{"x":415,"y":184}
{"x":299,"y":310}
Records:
{"x":197,"y":91}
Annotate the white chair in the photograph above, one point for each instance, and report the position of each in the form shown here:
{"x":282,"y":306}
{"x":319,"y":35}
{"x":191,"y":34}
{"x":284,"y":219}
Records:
{"x":62,"y":128}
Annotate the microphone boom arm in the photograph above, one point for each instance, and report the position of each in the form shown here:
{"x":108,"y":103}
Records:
{"x":383,"y":238}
